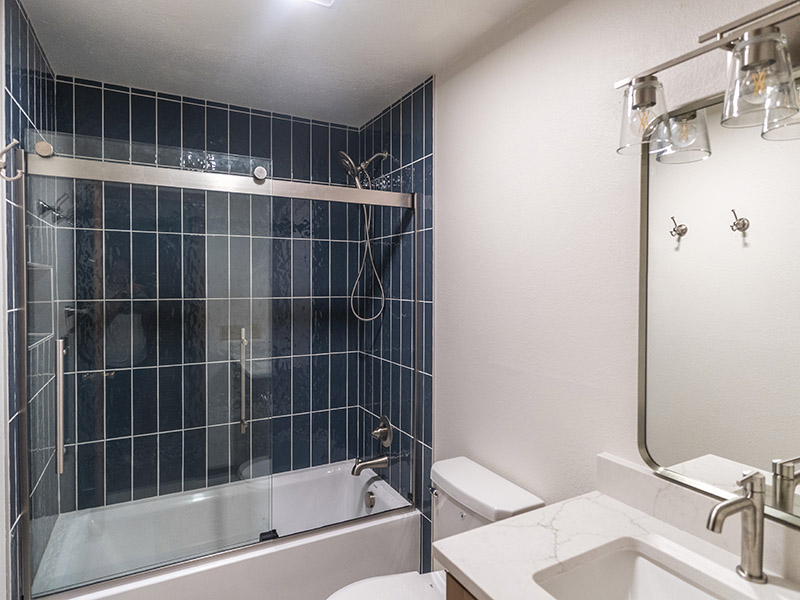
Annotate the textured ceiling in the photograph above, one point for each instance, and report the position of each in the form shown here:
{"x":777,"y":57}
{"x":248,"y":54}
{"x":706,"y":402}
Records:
{"x":342,"y":64}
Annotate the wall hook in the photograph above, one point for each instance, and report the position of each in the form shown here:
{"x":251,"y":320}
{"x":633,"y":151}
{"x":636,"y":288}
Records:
{"x":679,"y":230}
{"x":3,"y":153}
{"x":739,"y":224}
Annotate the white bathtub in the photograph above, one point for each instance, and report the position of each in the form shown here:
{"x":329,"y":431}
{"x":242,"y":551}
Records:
{"x":95,"y":544}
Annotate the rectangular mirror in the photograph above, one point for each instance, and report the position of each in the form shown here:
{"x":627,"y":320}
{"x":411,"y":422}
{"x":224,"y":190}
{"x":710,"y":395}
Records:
{"x":720,"y":324}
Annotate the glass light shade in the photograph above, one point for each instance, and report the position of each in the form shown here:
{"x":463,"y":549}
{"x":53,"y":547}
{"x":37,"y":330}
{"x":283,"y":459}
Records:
{"x":689,"y":140}
{"x":784,"y":130}
{"x":643,"y":110}
{"x":760,"y":84}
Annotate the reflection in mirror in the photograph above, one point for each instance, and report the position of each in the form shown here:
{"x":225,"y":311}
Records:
{"x":723,"y":328}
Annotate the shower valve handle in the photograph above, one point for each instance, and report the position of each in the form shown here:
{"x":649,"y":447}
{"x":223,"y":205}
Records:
{"x":383,"y":433}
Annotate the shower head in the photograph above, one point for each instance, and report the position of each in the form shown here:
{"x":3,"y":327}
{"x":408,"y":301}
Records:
{"x":349,"y":166}
{"x":382,"y":155}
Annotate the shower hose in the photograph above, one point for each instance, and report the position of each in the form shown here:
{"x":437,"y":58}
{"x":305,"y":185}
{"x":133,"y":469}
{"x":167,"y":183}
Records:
{"x":367,"y":252}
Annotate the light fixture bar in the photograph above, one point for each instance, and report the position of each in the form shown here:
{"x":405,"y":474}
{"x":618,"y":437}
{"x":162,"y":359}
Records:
{"x":767,"y":10}
{"x":773,"y":18}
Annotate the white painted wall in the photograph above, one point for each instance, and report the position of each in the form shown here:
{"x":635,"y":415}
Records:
{"x":723,"y":363}
{"x":537,"y":234}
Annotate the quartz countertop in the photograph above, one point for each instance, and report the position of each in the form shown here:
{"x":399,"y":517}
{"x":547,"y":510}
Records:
{"x":498,"y":561}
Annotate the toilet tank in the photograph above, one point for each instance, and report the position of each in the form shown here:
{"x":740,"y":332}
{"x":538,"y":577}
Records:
{"x":469,"y":496}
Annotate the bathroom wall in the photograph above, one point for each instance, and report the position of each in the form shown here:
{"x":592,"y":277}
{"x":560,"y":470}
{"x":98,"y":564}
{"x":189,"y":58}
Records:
{"x":191,"y":267}
{"x":405,"y":130}
{"x":29,"y":110}
{"x":537,"y":234}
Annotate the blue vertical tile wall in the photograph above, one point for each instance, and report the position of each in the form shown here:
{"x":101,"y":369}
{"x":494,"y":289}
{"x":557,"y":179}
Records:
{"x":29,"y":89}
{"x":405,"y":130}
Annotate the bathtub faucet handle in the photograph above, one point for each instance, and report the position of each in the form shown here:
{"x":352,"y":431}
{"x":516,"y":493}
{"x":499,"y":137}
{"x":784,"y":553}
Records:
{"x":384,"y":432}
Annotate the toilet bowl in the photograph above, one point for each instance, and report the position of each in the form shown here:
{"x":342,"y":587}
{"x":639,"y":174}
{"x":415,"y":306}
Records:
{"x":466,"y":495}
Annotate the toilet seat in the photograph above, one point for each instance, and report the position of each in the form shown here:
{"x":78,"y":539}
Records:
{"x":406,"y":586}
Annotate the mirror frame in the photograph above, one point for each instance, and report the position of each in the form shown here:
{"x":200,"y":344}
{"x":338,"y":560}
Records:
{"x":664,"y":472}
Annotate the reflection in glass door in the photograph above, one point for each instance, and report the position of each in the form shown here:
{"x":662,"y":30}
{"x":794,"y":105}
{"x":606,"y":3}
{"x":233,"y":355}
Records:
{"x":166,"y":388}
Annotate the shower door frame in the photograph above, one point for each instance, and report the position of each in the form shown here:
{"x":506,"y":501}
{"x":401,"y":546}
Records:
{"x":29,"y":163}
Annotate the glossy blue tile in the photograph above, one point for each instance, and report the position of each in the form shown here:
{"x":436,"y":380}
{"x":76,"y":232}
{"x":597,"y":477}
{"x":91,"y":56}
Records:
{"x":117,"y":205}
{"x":282,"y":386}
{"x":116,"y":126}
{"x":143,"y":217}
{"x":418,"y":126}
{"x":194,"y":266}
{"x":169,"y":266}
{"x":301,"y":384}
{"x":320,"y":382}
{"x":194,"y":211}
{"x":91,"y":484}
{"x":262,"y":263}
{"x":282,"y":327}
{"x":194,"y":396}
{"x":239,"y":267}
{"x":217,"y":267}
{"x":281,"y":217}
{"x":66,"y":482}
{"x":170,"y":402}
{"x":319,"y":438}
{"x":262,"y":215}
{"x":301,"y":268}
{"x":194,"y":331}
{"x":281,"y":268}
{"x":282,"y":444}
{"x":88,"y":121}
{"x":145,"y":334}
{"x":217,"y":130}
{"x":239,"y":133}
{"x":301,"y":326}
{"x":144,"y":265}
{"x":339,"y":313}
{"x":169,"y":210}
{"x":170,"y":343}
{"x":301,"y":442}
{"x":194,"y":459}
{"x":338,"y":435}
{"x":338,"y":380}
{"x":89,"y":328}
{"x":320,"y":220}
{"x":170,"y":449}
{"x":64,"y":107}
{"x":218,"y":471}
{"x":240,"y":214}
{"x":119,"y":461}
{"x":320,"y":325}
{"x":239,"y":452}
{"x":145,"y":466}
{"x":88,"y":204}
{"x":282,"y":148}
{"x":169,"y":133}
{"x":301,"y":150}
{"x":218,"y":393}
{"x":262,"y":448}
{"x":194,"y":127}
{"x":145,"y":401}
{"x":352,"y":432}
{"x":90,"y":397}
{"x":261,"y":136}
{"x":218,"y":322}
{"x":320,"y":154}
{"x":118,"y":264}
{"x":338,"y":143}
{"x":428,"y":117}
{"x":427,"y":409}
{"x":261,"y":388}
{"x":427,"y":335}
{"x":118,"y":334}
{"x":217,"y":212}
{"x":88,"y":264}
{"x":143,"y":129}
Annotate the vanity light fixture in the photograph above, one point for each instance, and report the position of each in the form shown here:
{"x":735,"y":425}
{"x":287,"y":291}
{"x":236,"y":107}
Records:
{"x":760,"y":92}
{"x":760,"y":83}
{"x":782,"y":131}
{"x":645,"y":109}
{"x":687,"y":142}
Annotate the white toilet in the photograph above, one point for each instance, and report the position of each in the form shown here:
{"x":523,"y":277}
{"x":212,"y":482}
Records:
{"x":467,"y":496}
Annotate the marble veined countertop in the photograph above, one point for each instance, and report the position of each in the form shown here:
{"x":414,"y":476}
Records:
{"x":498,"y":561}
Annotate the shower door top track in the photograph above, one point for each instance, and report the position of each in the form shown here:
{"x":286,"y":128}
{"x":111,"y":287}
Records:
{"x":59,"y":166}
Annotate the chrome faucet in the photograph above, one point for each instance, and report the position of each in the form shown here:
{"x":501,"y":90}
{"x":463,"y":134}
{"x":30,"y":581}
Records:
{"x":381,"y":462}
{"x":751,"y":505}
{"x":784,"y":483}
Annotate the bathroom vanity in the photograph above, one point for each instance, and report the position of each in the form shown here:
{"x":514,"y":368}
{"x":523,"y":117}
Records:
{"x":637,"y":531}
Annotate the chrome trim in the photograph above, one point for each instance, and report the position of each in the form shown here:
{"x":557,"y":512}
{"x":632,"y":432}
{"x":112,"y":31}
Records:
{"x":242,"y":387}
{"x":752,"y":22}
{"x":416,"y":459}
{"x":663,"y":472}
{"x":60,"y":352}
{"x":60,"y":166}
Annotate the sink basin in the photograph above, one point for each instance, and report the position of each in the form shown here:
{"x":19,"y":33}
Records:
{"x":632,"y":569}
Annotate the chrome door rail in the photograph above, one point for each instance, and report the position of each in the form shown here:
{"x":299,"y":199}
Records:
{"x":80,"y":168}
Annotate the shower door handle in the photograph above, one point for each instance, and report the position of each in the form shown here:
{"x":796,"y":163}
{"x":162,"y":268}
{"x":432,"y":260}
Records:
{"x":243,"y":389}
{"x":60,"y":352}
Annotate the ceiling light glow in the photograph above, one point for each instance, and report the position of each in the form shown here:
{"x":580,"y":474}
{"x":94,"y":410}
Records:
{"x":325,"y":3}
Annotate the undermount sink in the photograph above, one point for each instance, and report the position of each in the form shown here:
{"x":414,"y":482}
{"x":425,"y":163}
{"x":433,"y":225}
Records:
{"x":631,"y":569}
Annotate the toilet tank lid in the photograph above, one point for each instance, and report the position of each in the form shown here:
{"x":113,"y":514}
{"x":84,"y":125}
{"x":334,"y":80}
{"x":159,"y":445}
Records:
{"x":481,"y":490}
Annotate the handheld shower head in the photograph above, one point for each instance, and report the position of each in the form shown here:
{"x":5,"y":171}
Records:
{"x":349,"y":166}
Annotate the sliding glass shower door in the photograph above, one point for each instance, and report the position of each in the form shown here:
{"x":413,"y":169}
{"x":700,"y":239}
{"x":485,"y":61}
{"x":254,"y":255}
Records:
{"x":161,"y":401}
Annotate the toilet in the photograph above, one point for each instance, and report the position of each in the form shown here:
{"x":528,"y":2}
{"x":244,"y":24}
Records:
{"x":466,"y":496}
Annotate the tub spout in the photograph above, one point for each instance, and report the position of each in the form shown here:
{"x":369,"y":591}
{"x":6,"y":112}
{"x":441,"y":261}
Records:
{"x":381,"y":462}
